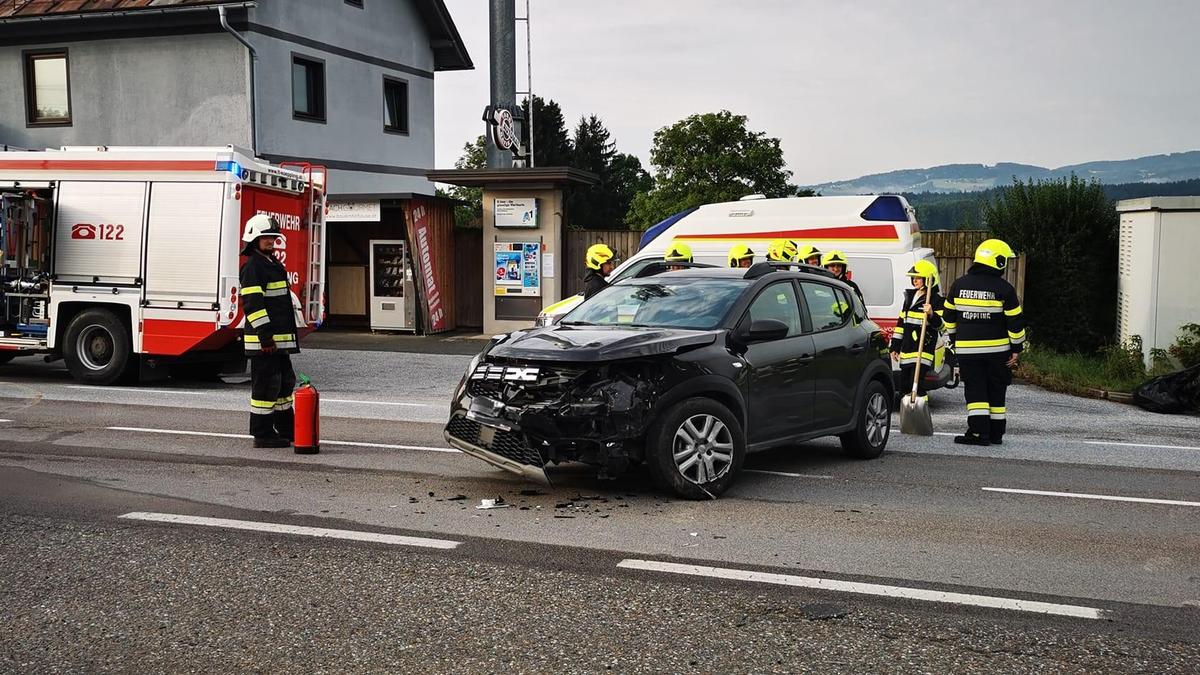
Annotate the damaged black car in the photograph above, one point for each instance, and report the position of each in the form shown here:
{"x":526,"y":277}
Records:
{"x":683,"y":372}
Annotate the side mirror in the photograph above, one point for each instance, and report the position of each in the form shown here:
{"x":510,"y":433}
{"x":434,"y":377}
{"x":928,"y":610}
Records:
{"x":765,"y":330}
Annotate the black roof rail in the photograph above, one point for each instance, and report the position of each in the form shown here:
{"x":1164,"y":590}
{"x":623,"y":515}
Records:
{"x":764,"y":268}
{"x":660,"y":266}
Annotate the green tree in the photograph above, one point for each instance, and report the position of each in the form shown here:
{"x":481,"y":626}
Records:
{"x":1067,"y":231}
{"x":470,"y":214}
{"x":603,"y":206}
{"x":711,"y":157}
{"x":551,"y":141}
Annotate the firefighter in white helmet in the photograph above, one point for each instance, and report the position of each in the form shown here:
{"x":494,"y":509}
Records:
{"x":270,"y":335}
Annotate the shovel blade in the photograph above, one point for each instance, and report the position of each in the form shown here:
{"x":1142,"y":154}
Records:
{"x":914,"y":417}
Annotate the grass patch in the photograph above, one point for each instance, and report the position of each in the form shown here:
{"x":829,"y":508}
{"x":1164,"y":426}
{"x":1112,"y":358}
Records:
{"x":1117,"y":369}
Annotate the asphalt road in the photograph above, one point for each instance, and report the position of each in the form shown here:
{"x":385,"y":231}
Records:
{"x":929,"y":559}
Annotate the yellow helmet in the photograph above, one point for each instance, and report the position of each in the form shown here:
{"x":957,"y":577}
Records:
{"x":926,"y":270}
{"x":678,"y":252}
{"x":782,"y":250}
{"x":597,"y":255}
{"x":994,"y":253}
{"x":738,"y":253}
{"x":807,"y":251}
{"x":834,"y":258}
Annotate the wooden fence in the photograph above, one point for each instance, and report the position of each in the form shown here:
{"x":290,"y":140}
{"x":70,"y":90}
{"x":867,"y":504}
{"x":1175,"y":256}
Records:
{"x":955,"y":249}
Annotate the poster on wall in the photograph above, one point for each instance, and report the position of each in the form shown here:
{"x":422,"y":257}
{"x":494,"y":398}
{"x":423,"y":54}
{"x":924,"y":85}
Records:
{"x":421,"y":234}
{"x":518,"y":268}
{"x":521,"y":212}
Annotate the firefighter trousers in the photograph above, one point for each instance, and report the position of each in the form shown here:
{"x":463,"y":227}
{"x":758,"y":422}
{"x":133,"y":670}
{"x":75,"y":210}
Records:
{"x":985,"y":382}
{"x":907,"y":371}
{"x":272,"y":382}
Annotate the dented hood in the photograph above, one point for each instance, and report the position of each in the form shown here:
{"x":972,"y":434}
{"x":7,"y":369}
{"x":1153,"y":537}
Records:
{"x":599,"y":343}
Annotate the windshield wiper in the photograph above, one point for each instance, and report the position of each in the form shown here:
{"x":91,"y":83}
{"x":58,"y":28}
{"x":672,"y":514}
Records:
{"x":575,"y":323}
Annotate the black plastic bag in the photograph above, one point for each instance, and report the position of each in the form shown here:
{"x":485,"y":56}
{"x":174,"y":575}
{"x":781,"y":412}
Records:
{"x":1174,"y":393}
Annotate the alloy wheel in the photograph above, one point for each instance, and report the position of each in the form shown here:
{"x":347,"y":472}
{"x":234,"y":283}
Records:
{"x":703,"y":449}
{"x":878,"y":420}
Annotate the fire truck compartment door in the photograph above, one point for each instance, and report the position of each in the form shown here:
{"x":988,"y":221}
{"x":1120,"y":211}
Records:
{"x":99,"y":232}
{"x":183,"y":241}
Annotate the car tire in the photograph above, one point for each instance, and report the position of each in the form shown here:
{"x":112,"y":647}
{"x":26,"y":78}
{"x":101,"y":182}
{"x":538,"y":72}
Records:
{"x":5,"y":357}
{"x":869,"y":437}
{"x":713,"y":438}
{"x":97,"y":347}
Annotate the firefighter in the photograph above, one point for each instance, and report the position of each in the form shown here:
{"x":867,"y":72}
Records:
{"x":270,"y":335}
{"x":809,"y":255}
{"x":678,"y":252}
{"x":741,"y":256}
{"x":600,"y":264}
{"x":835,"y":262}
{"x":983,"y":319}
{"x":782,"y":250}
{"x":922,"y":300}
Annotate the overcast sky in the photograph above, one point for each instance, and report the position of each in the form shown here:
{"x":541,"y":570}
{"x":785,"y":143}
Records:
{"x":861,"y":87}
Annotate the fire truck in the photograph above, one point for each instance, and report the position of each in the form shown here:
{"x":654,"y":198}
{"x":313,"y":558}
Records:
{"x":123,"y":261}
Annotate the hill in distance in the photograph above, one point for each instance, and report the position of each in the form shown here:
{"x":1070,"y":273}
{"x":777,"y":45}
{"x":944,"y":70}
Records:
{"x":1176,"y":166}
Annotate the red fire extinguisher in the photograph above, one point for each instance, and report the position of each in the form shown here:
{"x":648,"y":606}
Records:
{"x":307,"y":403}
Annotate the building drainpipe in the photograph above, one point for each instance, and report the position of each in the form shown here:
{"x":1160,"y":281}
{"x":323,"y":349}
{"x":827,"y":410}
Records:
{"x":253,"y":59}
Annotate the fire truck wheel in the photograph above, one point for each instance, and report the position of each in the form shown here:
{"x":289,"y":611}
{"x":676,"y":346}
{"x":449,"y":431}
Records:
{"x":97,"y":347}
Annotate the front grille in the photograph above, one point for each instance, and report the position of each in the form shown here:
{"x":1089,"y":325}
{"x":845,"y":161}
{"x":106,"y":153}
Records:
{"x":464,"y":430}
{"x":507,"y":444}
{"x":489,"y":388}
{"x":519,"y":384}
{"x":512,"y":445}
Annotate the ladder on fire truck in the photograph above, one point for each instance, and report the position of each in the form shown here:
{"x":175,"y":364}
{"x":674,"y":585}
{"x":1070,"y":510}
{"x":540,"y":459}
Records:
{"x":315,"y":177}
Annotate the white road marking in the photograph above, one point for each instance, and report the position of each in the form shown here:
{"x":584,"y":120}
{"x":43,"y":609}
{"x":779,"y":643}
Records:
{"x":1144,"y":445}
{"x":138,"y":390}
{"x":1082,"y":495}
{"x":278,"y":528}
{"x":785,"y":473}
{"x":4,"y":421}
{"x":214,"y":434}
{"x":861,"y":588}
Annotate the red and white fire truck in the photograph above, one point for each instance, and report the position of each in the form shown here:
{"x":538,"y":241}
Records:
{"x":124,"y":260}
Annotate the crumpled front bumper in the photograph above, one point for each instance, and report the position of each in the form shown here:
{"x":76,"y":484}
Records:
{"x":480,"y":441}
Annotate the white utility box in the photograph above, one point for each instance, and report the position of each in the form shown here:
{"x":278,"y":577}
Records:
{"x":1159,"y":282}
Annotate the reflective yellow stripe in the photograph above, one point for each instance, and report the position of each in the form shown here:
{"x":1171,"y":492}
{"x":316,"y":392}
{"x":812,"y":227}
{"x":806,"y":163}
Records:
{"x":260,"y":314}
{"x":972,"y":302}
{"x":272,"y":285}
{"x":978,"y":406}
{"x":286,"y":337}
{"x":255,"y":403}
{"x":1016,"y":336}
{"x":1001,"y":342}
{"x":998,"y":410}
{"x":950,"y":325}
{"x":285,"y":399}
{"x":251,"y":290}
{"x":1012,"y":312}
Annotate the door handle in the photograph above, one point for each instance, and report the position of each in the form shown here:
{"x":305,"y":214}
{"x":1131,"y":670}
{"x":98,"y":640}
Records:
{"x":805,"y":359}
{"x":855,"y":350}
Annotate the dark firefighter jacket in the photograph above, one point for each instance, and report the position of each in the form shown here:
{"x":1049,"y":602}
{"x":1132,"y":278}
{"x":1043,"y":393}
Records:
{"x":267,"y":304}
{"x":908,"y":327}
{"x":983,"y":315}
{"x":850,"y":282}
{"x":593,"y":283}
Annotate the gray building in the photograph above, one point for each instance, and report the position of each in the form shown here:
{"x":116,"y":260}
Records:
{"x":348,"y":84}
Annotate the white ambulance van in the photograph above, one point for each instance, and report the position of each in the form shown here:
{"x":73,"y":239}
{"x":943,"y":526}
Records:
{"x":878,"y":233}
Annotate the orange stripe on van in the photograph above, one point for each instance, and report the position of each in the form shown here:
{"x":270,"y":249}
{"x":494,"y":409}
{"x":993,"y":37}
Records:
{"x":852,"y":233}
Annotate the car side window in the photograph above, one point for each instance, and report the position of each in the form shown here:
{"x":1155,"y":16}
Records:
{"x":778,"y":301}
{"x":829,"y":307}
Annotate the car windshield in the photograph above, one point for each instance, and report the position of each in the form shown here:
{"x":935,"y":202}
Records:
{"x":676,"y":303}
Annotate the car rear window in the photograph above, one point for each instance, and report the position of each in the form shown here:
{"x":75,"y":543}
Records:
{"x":875,"y":278}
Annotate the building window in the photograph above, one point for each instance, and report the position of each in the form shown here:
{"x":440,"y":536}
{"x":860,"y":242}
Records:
{"x":47,"y":88}
{"x":308,"y":89}
{"x":395,"y":106}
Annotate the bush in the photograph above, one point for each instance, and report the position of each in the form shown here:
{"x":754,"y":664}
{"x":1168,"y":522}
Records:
{"x":1186,"y":349}
{"x":1067,"y":230}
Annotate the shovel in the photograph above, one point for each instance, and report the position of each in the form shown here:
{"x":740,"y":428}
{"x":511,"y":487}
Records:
{"x":914,"y":411}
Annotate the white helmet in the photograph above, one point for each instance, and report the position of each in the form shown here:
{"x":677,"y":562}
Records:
{"x":261,"y":225}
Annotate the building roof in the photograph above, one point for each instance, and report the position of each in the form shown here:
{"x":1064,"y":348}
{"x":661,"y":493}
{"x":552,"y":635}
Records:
{"x":44,"y":8}
{"x":1159,"y":204}
{"x":449,"y":50}
{"x":515,"y":177}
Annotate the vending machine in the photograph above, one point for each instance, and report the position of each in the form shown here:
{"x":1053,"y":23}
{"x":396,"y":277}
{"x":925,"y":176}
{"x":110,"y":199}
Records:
{"x":393,"y":294}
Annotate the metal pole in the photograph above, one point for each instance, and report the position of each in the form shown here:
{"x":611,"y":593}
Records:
{"x":503,"y":29}
{"x":529,"y":80}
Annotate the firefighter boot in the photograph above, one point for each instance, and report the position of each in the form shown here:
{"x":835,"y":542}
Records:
{"x":972,"y":438}
{"x":272,"y":442}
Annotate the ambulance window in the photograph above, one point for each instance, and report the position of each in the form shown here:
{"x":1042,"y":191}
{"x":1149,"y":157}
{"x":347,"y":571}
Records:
{"x":308,"y":89}
{"x":47,"y":88}
{"x":875,"y":278}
